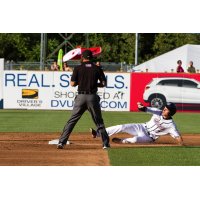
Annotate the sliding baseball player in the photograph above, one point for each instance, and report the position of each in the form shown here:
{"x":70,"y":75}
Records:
{"x":160,"y":124}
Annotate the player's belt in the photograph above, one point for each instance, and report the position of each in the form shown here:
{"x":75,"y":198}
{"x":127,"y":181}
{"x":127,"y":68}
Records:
{"x":148,"y":132}
{"x":85,"y":92}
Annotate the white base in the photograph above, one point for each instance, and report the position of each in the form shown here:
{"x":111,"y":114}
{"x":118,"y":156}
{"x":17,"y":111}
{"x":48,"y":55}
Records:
{"x":56,"y":142}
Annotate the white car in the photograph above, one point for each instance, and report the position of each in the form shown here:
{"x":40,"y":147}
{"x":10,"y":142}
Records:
{"x":172,"y":89}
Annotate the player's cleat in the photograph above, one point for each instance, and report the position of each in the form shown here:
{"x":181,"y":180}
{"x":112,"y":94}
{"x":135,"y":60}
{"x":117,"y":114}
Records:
{"x":59,"y":146}
{"x":106,"y":147}
{"x":116,"y":140}
{"x":94,"y":133}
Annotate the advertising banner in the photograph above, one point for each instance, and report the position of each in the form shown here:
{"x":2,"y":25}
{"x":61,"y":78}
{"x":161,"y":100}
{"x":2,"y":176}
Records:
{"x":52,"y":90}
{"x":116,"y":95}
{"x":27,"y":90}
{"x":155,"y":89}
{"x":63,"y":93}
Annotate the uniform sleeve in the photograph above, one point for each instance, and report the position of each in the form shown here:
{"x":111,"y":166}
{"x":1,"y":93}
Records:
{"x":154,"y":111}
{"x":142,"y":109}
{"x":174,"y":132}
{"x":75,"y":75}
{"x":102,"y":76}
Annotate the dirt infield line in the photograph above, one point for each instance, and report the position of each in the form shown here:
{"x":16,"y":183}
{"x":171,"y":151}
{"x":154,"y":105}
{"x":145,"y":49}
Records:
{"x":32,"y":149}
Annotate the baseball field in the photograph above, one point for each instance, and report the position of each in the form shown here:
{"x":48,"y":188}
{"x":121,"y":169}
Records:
{"x":25,"y":136}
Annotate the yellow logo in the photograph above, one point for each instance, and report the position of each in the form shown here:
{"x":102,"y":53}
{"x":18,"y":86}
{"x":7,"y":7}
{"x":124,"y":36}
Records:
{"x":29,"y":94}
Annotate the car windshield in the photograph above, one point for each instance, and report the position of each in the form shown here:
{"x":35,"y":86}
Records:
{"x":189,"y":84}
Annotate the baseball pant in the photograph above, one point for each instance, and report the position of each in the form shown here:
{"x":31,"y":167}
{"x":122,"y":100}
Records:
{"x":137,"y":130}
{"x":82,"y":103}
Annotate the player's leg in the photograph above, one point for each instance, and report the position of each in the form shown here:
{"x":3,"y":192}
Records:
{"x":95,"y":111}
{"x":131,"y":129}
{"x":142,"y":137}
{"x":79,"y":108}
{"x":127,"y":128}
{"x":137,"y":139}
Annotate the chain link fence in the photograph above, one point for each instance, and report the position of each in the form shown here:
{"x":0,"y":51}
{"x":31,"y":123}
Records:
{"x":107,"y":66}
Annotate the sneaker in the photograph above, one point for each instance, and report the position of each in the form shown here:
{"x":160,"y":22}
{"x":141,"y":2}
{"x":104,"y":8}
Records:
{"x":116,"y":140}
{"x":59,"y":146}
{"x":94,"y":133}
{"x":106,"y":147}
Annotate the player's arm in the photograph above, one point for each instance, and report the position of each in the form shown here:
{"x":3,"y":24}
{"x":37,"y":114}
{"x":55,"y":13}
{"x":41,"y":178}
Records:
{"x":175,"y":134}
{"x":74,"y":79}
{"x":73,"y":83}
{"x":150,"y":110}
{"x":141,"y":107}
{"x":102,"y":79}
{"x":180,"y":141}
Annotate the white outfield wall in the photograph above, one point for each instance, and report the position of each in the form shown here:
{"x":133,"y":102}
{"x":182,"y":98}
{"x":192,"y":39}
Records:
{"x":55,"y":93}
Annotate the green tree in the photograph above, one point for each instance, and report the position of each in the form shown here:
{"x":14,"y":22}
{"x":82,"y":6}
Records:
{"x":165,"y":42}
{"x":23,"y":46}
{"x":116,"y":47}
{"x":120,"y":47}
{"x":146,"y":42}
{"x":13,"y":46}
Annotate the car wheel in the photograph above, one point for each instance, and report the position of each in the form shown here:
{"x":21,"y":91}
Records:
{"x":157,"y":101}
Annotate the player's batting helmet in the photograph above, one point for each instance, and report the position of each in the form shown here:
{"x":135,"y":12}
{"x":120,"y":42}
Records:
{"x":171,"y":107}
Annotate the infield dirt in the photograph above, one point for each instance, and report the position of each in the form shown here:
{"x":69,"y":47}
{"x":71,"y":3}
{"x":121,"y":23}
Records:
{"x":32,"y":149}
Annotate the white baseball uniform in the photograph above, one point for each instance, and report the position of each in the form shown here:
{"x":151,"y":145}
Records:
{"x":147,"y":132}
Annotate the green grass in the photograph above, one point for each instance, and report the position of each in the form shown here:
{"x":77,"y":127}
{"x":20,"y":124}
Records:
{"x":54,"y":121}
{"x":156,"y":156}
{"x":187,"y":122}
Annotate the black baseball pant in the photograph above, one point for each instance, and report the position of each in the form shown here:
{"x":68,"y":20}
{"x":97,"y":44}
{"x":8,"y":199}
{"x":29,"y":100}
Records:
{"x":82,"y":103}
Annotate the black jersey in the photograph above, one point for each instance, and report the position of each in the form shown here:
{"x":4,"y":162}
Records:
{"x":87,"y":75}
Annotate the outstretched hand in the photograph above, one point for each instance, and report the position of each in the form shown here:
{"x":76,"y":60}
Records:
{"x":140,"y":105}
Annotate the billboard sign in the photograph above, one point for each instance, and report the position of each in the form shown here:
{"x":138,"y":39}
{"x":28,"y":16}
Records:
{"x":52,"y":90}
{"x":155,"y":89}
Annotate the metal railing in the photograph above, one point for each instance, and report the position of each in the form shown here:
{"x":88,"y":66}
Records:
{"x":107,"y":66}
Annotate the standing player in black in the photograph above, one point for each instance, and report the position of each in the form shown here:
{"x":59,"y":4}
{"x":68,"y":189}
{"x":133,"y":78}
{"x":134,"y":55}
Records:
{"x":86,"y":76}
